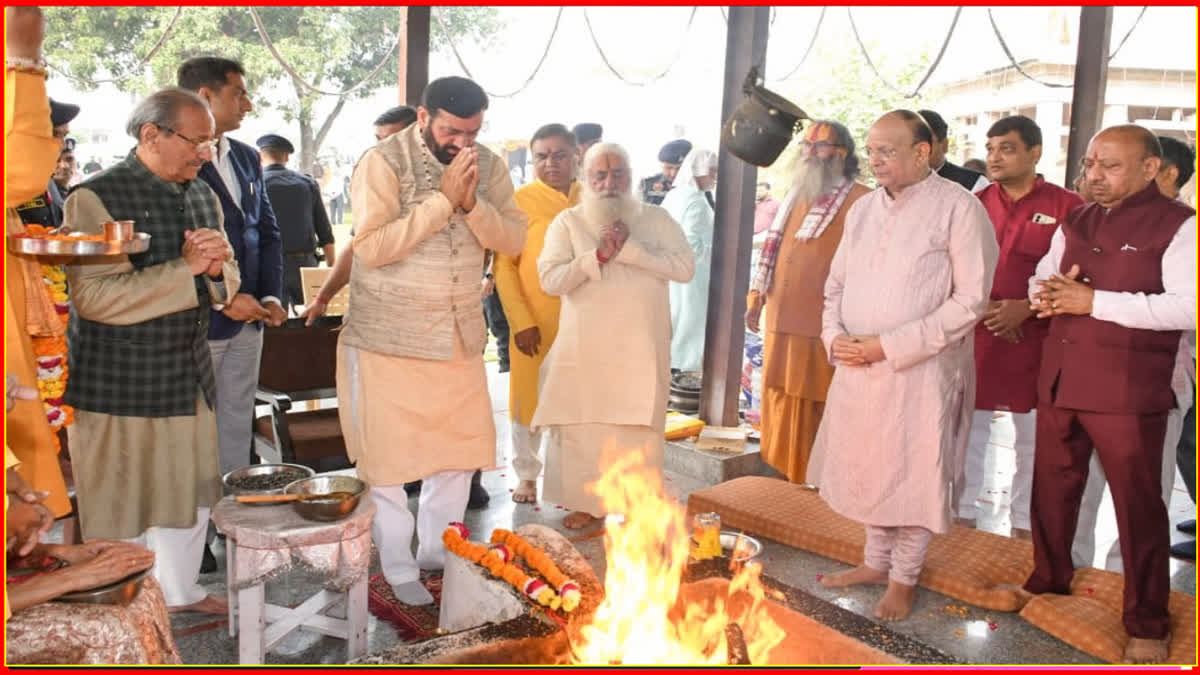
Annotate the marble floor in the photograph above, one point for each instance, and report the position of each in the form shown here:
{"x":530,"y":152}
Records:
{"x":967,"y":634}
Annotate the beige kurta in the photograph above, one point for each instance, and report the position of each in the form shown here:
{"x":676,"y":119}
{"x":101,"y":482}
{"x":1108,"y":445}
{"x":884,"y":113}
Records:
{"x":916,"y":271}
{"x":610,"y":366}
{"x":133,"y":473}
{"x":406,"y":418}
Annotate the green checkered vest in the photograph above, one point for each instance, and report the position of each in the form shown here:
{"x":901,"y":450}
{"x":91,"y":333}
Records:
{"x":153,"y":368}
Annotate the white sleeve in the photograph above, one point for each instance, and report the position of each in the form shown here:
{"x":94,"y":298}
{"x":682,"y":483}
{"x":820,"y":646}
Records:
{"x":1050,"y":263}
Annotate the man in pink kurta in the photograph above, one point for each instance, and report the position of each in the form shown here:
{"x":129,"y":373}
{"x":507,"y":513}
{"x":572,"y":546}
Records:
{"x":905,"y":289}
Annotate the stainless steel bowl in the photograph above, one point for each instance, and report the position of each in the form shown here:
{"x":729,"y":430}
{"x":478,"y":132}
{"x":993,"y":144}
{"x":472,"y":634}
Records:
{"x":327,"y":509}
{"x":299,"y":470}
{"x":119,"y":592}
{"x":729,"y":539}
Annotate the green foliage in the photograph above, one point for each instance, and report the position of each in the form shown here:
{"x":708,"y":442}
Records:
{"x":836,"y":83}
{"x":331,"y":48}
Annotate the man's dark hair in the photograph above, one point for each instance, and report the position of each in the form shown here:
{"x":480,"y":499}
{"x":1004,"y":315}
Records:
{"x":401,"y":114}
{"x":936,"y":124}
{"x":456,"y":95}
{"x":551,"y":130}
{"x":1176,"y":153}
{"x":1027,"y":129}
{"x":845,"y":139}
{"x":207,"y":71}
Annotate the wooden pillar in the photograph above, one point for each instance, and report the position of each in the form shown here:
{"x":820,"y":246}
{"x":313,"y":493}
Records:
{"x":413,"y":57}
{"x":1091,"y":82}
{"x":724,"y":342}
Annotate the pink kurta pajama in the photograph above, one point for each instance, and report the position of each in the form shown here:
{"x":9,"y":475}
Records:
{"x":916,"y":271}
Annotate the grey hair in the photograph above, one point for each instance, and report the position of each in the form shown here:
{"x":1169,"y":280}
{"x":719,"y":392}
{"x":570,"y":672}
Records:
{"x":601,"y":149}
{"x":162,"y":109}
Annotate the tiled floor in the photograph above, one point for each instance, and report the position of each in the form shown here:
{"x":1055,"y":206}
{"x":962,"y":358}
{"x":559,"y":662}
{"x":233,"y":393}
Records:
{"x":205,"y":640}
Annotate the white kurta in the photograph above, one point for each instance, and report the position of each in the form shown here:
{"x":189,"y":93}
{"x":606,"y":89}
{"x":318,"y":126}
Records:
{"x":605,"y":382}
{"x":689,"y":302}
{"x":916,"y":271}
{"x":610,"y":363}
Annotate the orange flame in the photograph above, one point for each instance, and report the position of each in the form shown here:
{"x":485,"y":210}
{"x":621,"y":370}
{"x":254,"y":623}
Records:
{"x":645,"y":619}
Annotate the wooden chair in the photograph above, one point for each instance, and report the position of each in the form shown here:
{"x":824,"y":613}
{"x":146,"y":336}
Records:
{"x":299,"y":364}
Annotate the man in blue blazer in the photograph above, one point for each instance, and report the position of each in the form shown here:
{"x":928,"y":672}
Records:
{"x":235,"y":332}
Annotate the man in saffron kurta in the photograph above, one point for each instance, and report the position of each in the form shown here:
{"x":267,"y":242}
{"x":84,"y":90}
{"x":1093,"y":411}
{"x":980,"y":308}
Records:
{"x":906,"y":287}
{"x":412,"y":389}
{"x":30,"y":151}
{"x":532,"y":313}
{"x":1120,"y":284}
{"x":1026,"y":212}
{"x":789,"y":283}
{"x":605,"y":382}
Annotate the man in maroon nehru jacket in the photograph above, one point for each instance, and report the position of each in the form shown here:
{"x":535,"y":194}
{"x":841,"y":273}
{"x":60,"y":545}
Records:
{"x":1120,"y":285}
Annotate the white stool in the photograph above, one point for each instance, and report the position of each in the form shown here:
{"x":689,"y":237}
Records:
{"x":263,"y":538}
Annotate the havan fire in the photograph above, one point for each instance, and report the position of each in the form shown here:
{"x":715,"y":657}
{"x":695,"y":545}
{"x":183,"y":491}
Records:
{"x":647,"y":617}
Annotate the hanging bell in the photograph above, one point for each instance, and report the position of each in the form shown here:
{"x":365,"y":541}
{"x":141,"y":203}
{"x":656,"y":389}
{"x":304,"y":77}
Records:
{"x":761,"y":126}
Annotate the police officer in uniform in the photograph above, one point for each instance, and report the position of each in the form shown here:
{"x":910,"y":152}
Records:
{"x":300,"y":212}
{"x":671,"y":156}
{"x":46,"y":208}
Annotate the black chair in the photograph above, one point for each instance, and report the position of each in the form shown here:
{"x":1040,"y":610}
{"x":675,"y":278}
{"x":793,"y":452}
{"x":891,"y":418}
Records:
{"x":299,"y":363}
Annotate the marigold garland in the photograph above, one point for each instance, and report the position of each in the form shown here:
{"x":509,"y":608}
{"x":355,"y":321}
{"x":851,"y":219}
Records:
{"x":536,"y":558}
{"x":50,"y":352}
{"x":496,"y":560}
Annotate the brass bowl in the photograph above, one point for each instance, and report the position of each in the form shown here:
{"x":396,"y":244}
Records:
{"x":299,"y":470}
{"x":327,"y":509}
{"x":120,"y":592}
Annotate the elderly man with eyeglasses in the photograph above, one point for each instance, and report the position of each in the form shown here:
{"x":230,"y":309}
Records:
{"x":144,"y":443}
{"x":789,"y":283}
{"x":907,"y":285}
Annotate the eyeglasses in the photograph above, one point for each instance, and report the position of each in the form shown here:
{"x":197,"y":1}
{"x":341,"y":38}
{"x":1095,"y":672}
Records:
{"x":819,"y":145}
{"x":887,"y":155}
{"x":199,"y":146}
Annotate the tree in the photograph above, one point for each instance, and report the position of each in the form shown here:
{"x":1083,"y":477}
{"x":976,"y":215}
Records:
{"x":331,"y":48}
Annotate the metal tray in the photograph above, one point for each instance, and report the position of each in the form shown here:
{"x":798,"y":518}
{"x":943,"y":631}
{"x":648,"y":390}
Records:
{"x":35,"y":246}
{"x":119,"y":592}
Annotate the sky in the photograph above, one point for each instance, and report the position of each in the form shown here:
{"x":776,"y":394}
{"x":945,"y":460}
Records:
{"x":575,"y":86}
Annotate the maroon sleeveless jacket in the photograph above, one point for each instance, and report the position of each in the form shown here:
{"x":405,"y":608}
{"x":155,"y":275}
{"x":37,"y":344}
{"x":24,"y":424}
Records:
{"x":1100,"y":366}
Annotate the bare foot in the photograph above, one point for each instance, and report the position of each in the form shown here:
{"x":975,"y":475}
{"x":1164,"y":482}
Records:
{"x":896,"y":602}
{"x":965,"y":522}
{"x":1021,"y":533}
{"x":1023,"y":596}
{"x":577,"y":520}
{"x":212,"y":604}
{"x":526,"y":492}
{"x":1146,"y":651}
{"x":859,"y":575}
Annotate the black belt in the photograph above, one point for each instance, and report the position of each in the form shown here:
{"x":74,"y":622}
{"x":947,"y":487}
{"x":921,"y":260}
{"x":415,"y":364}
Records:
{"x":300,"y":254}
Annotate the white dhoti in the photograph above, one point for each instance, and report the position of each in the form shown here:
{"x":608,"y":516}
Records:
{"x":443,"y":500}
{"x":578,"y":455}
{"x":1097,"y":494}
{"x":177,"y":554}
{"x":987,"y":428}
{"x":526,"y":451}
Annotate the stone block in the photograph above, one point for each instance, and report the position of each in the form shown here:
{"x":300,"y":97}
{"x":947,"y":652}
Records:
{"x":472,"y":597}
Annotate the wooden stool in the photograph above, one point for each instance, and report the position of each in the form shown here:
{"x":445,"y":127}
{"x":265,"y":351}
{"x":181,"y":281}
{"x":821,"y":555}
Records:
{"x":259,"y":540}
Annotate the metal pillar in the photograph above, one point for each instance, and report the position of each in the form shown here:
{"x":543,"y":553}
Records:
{"x":724,"y":342}
{"x":1091,"y":82}
{"x":413,"y":57}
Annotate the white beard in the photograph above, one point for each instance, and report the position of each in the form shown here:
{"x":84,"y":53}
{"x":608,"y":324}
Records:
{"x":815,"y":178}
{"x":601,"y":211}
